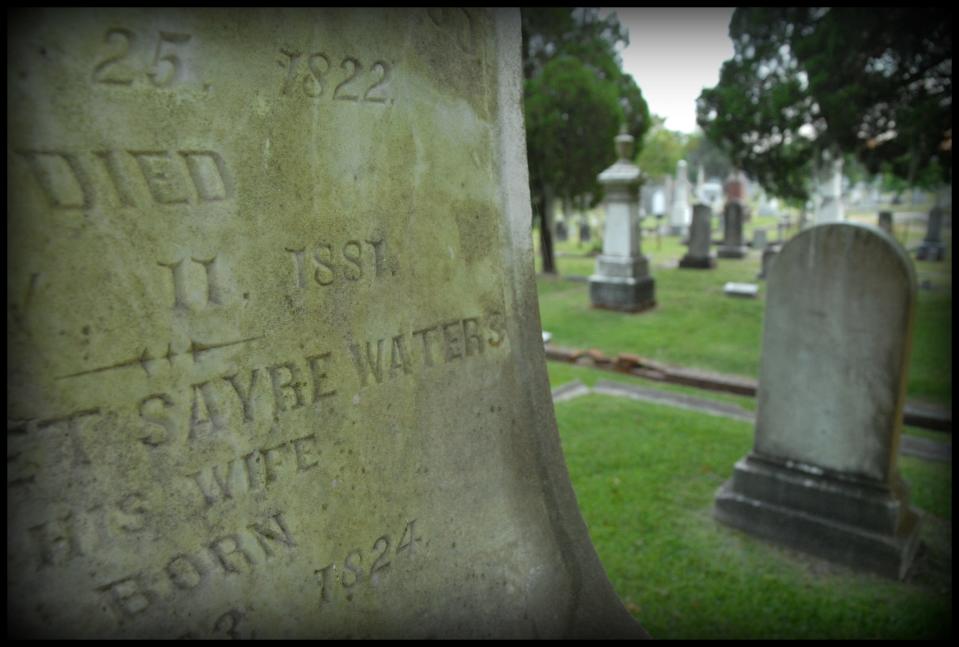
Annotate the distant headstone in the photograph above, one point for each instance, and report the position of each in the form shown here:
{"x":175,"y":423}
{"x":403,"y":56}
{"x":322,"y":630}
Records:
{"x":769,"y":255}
{"x":829,"y":192}
{"x":733,"y":245}
{"x":932,"y":248}
{"x":561,"y":232}
{"x":746,"y":290}
{"x":885,"y":221}
{"x":679,"y":218}
{"x":759,"y":239}
{"x":274,"y":368}
{"x":700,"y":233}
{"x":622,"y":280}
{"x":584,"y":232}
{"x":822,"y":475}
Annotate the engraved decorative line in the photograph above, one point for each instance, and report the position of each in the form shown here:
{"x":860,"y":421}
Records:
{"x":195,"y":350}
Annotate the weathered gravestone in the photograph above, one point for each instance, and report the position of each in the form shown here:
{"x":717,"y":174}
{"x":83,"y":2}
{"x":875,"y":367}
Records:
{"x":822,"y":474}
{"x":621,"y":280}
{"x":698,"y":255}
{"x":679,"y":215}
{"x":768,"y":256}
{"x":932,"y":247}
{"x":275,"y":365}
{"x":561,"y":232}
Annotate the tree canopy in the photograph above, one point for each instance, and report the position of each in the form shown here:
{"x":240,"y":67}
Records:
{"x":874,"y":83}
{"x":576,"y":97}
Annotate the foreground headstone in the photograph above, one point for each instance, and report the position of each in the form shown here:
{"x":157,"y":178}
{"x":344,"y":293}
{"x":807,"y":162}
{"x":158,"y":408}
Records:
{"x":822,"y":474}
{"x":700,"y":233}
{"x":932,"y":247}
{"x":275,"y":367}
{"x":622,"y":280}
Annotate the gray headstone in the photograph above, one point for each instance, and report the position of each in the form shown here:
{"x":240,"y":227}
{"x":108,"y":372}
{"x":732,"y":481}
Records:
{"x":733,"y":245}
{"x":822,"y":474}
{"x":932,"y":247}
{"x":759,"y":239}
{"x":622,"y":280}
{"x":700,"y":233}
{"x":885,"y":221}
{"x":275,"y":367}
{"x":769,"y":255}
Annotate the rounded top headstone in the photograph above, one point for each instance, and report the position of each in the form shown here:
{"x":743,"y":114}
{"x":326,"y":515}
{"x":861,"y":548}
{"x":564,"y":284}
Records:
{"x":837,"y":328}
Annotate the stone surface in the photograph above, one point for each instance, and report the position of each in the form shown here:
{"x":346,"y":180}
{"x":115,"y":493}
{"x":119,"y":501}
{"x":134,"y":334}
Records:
{"x":733,"y":244}
{"x":700,"y":233}
{"x":760,"y":239}
{"x":275,"y":365}
{"x":622,"y":280}
{"x":822,"y":474}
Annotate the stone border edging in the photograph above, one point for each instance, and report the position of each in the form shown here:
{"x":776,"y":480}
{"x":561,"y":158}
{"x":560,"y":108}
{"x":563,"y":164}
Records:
{"x":914,"y":415}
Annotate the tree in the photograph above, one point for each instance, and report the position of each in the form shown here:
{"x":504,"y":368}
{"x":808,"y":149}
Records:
{"x":662,"y":151}
{"x":701,"y":151}
{"x":575,"y":98}
{"x":809,"y":82}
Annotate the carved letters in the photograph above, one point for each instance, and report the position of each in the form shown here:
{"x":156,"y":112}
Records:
{"x":75,"y":180}
{"x":357,"y":85}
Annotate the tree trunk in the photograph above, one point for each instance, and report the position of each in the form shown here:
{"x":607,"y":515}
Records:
{"x":546,"y":232}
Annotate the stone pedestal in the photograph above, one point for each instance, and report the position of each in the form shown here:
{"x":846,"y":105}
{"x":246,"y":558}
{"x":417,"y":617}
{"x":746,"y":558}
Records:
{"x":698,"y":256}
{"x":822,"y":475}
{"x":852,"y":522}
{"x":733,"y":246}
{"x":622,"y":280}
{"x":932,"y":247}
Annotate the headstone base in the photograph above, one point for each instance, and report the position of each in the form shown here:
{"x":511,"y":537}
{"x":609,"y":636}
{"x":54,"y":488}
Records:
{"x":732,"y":252}
{"x":931,"y":251}
{"x":698,"y":262}
{"x":858,"y":524}
{"x":625,"y":295}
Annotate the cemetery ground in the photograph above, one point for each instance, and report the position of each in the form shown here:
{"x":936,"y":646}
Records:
{"x":645,"y":474}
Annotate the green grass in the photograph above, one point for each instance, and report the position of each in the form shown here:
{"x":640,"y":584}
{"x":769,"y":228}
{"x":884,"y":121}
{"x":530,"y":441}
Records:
{"x":561,"y":373}
{"x":695,"y":325}
{"x":645,"y":476}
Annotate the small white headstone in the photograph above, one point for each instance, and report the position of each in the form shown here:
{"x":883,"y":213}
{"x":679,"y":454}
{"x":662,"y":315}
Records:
{"x":747,"y":290}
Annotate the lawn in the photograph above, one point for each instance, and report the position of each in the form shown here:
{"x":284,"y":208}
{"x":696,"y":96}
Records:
{"x":695,"y":325}
{"x":645,"y":476}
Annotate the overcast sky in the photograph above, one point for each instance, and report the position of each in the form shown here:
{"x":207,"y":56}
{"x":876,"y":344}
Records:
{"x":673,"y":53}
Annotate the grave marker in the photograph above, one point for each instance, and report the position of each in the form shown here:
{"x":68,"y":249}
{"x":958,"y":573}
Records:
{"x":822,"y":474}
{"x":275,"y":366}
{"x":698,"y":255}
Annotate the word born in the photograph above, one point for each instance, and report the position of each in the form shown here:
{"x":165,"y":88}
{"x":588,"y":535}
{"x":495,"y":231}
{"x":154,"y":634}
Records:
{"x":69,"y":182}
{"x":352,"y":573}
{"x":231,"y":554}
{"x":318,"y":66}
